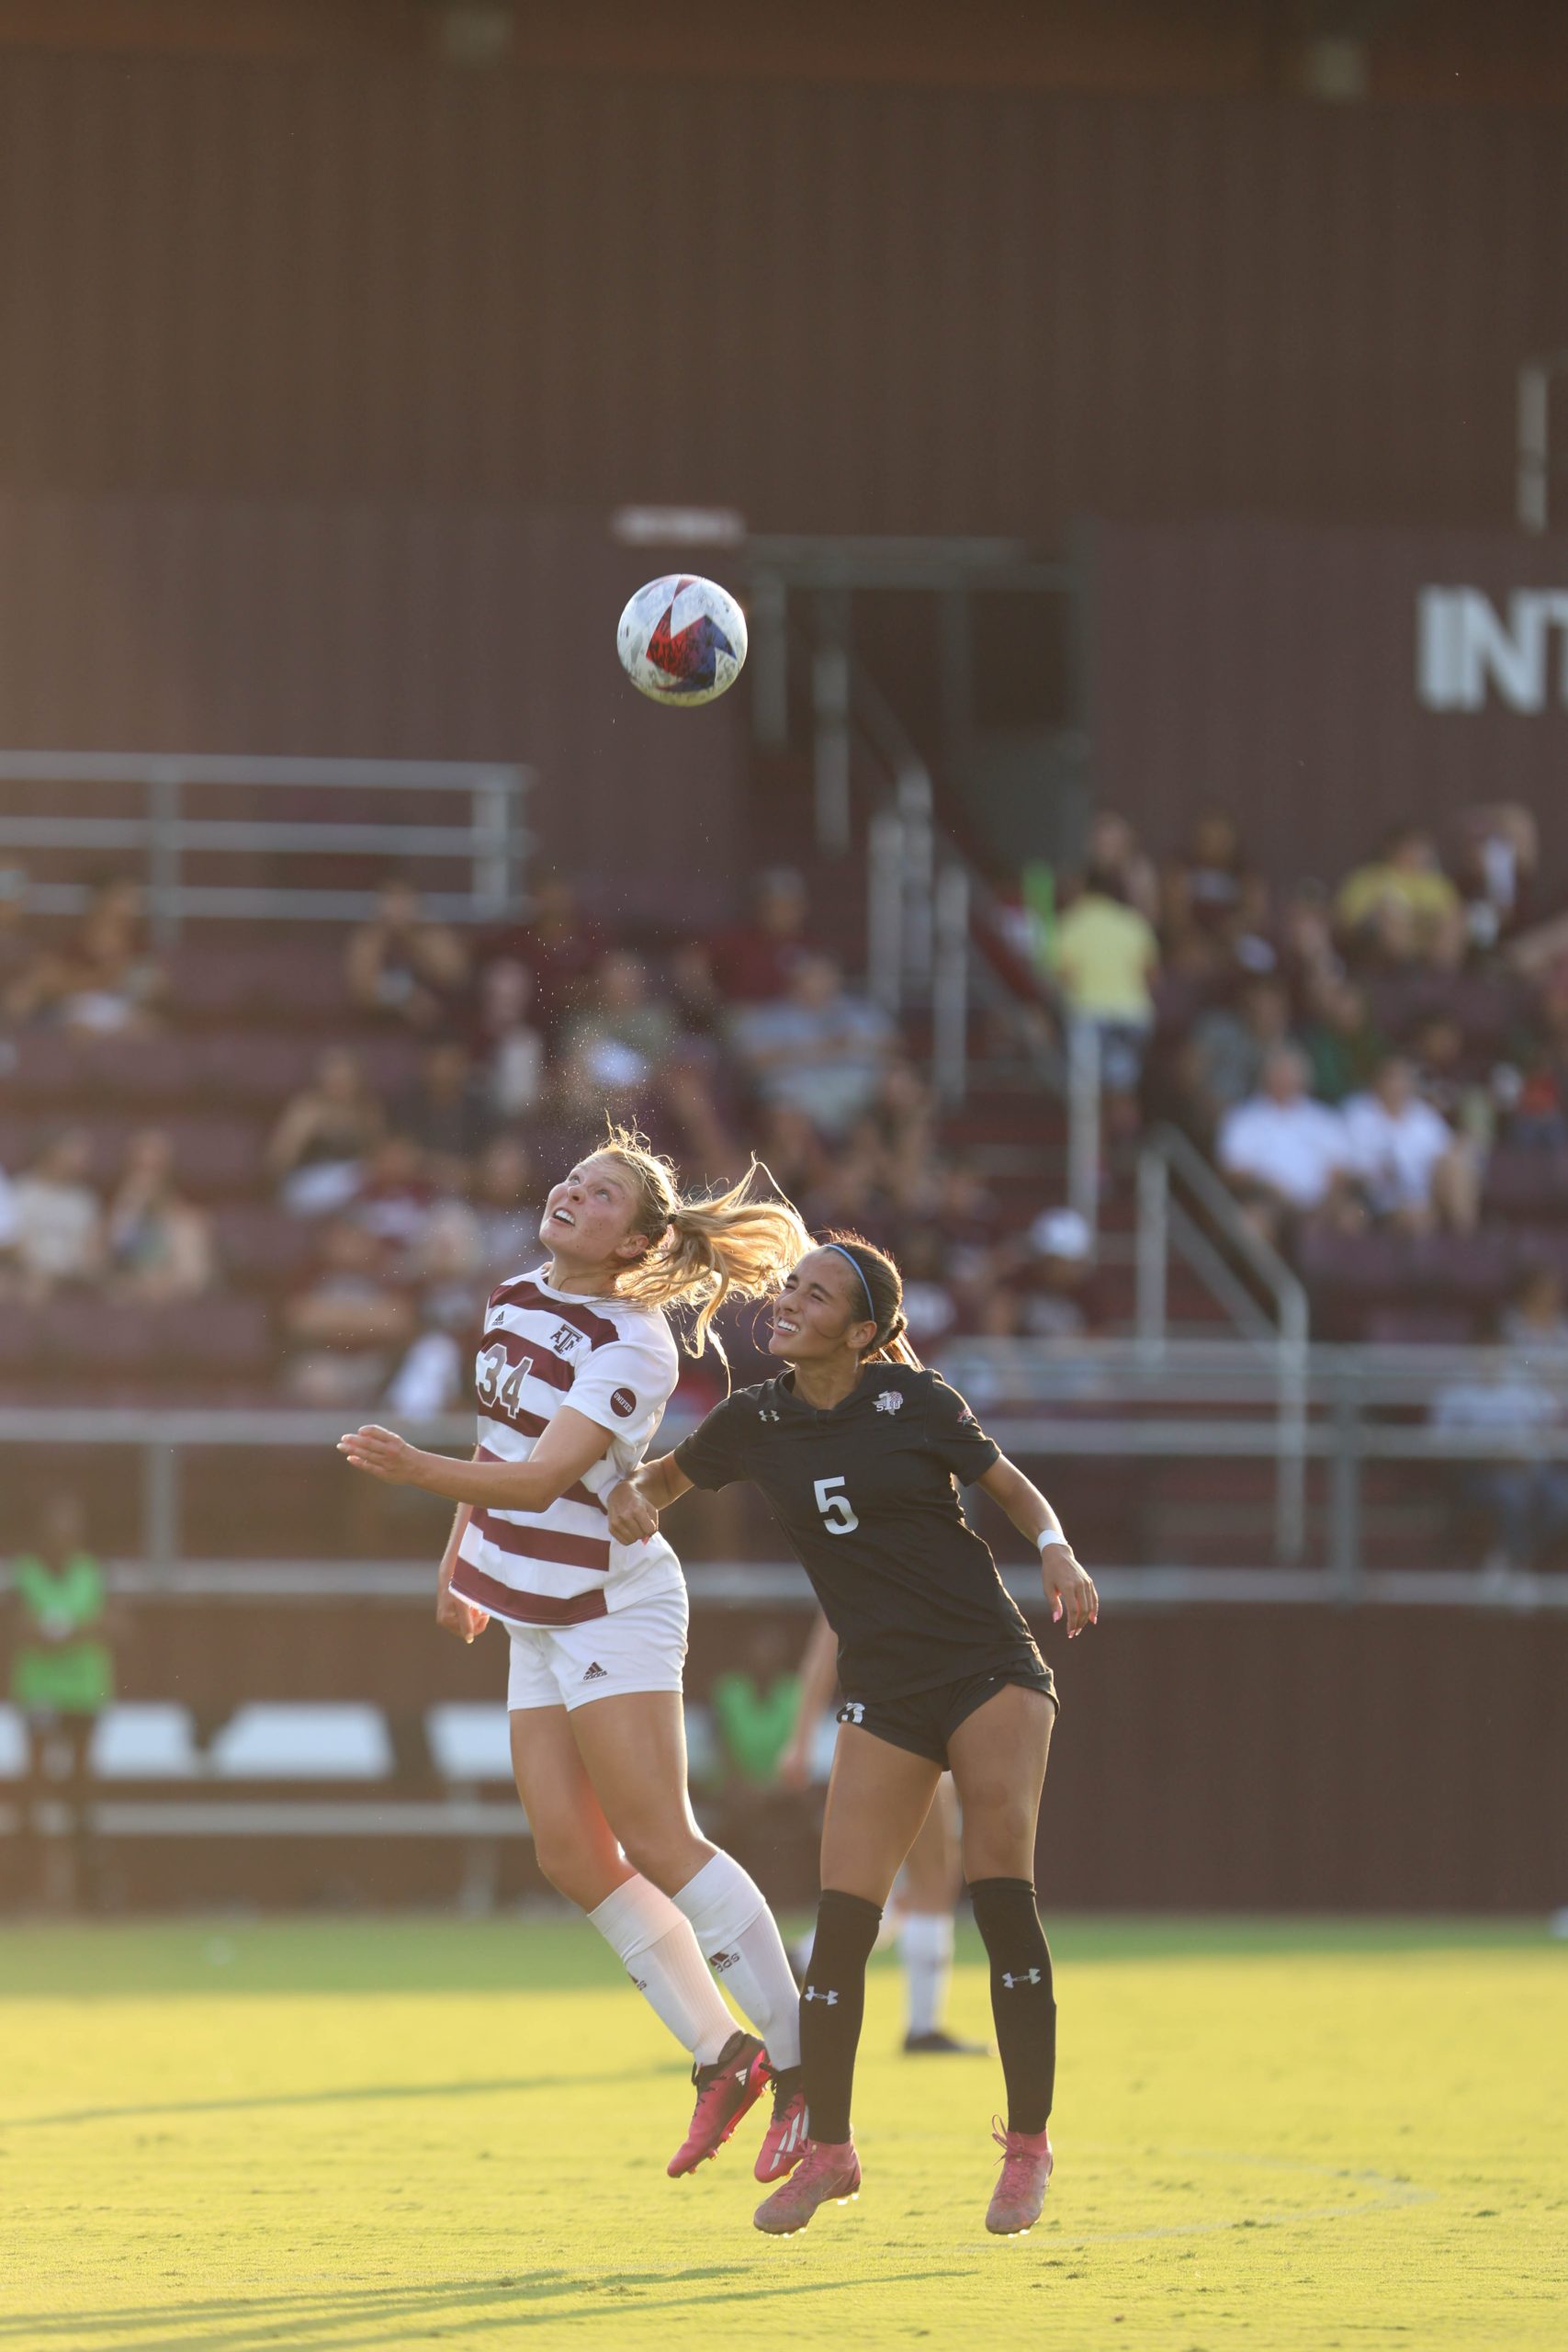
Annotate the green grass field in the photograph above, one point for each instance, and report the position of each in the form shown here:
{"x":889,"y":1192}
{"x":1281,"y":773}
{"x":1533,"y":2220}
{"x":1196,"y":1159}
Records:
{"x":386,"y":2132}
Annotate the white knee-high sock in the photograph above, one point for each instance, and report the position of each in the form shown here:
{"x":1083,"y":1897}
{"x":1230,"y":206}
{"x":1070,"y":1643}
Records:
{"x":662,"y":1957}
{"x":736,"y":1929}
{"x":925,"y":1946}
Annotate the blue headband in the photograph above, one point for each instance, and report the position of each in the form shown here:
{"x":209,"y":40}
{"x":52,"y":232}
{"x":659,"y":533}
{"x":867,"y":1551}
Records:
{"x":849,"y":1260}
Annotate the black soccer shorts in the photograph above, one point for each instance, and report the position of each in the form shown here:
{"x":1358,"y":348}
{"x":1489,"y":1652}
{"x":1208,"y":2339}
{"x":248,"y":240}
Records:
{"x":925,"y":1721}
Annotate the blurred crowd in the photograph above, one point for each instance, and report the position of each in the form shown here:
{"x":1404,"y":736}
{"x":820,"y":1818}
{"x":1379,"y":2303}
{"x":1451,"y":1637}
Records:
{"x":519,"y":1045}
{"x":1349,"y":1055}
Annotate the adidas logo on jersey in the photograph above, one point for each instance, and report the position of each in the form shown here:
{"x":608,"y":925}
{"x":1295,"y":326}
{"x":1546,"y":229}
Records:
{"x":811,"y":1993}
{"x":722,"y":1959}
{"x":1033,"y":1977}
{"x":597,"y":1673}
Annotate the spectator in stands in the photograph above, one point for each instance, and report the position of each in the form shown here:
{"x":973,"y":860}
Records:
{"x":1342,"y":1043}
{"x":447,"y":1114}
{"x":448,"y":1297}
{"x":562,"y":947}
{"x":792,"y":1150}
{"x":1534,"y":1324}
{"x":59,"y":1221}
{"x":18,"y":952}
{"x":393,"y":1202}
{"x":1209,"y":888}
{"x":1522,"y":1499}
{"x":345,"y":1324}
{"x":317,"y":1150}
{"x":509,"y":1050}
{"x":9,"y":1230}
{"x":821,"y":1048}
{"x":1413,"y":1171}
{"x":1539,"y":1116}
{"x":1402,"y":908}
{"x":615,"y":1043}
{"x":1107,"y":960}
{"x":1307,"y":955}
{"x":755,"y":962}
{"x":160,"y":1245}
{"x":1455,"y":1081}
{"x":1496,"y":868}
{"x":504,"y":1203}
{"x":107,"y":977}
{"x":1051,"y":1271}
{"x":1116,"y":863}
{"x":1286,"y":1155}
{"x":403,"y":968}
{"x":1228,"y":1047}
{"x":701,"y":1006}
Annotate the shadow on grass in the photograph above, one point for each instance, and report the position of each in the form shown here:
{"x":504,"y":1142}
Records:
{"x":350,"y":2095}
{"x":337,"y":2320}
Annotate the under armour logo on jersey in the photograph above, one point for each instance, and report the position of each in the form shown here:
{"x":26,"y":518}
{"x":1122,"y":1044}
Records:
{"x":811,"y":1993}
{"x":722,"y":1959}
{"x":855,"y":1712}
{"x":890,"y":1401}
{"x":1031,"y":1978}
{"x":767,"y":1413}
{"x":597,"y":1673}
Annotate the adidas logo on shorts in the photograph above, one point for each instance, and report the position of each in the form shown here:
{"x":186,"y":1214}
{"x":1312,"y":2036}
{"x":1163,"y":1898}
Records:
{"x":597,"y":1673}
{"x":722,"y":1959}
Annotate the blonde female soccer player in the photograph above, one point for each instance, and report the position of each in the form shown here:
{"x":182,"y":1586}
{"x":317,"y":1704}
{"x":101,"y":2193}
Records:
{"x":575,"y":1368}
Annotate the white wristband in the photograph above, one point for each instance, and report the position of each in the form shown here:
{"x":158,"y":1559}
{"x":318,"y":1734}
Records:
{"x":1049,"y":1535}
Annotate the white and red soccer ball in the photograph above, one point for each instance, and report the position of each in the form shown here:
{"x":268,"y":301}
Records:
{"x":682,"y":639}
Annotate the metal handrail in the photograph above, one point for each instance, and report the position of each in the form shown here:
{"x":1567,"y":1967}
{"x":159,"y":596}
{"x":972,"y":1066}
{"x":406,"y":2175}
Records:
{"x":491,"y":843}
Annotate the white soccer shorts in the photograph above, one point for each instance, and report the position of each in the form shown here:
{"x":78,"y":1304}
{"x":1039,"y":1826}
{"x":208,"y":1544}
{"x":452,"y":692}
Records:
{"x":640,"y":1648}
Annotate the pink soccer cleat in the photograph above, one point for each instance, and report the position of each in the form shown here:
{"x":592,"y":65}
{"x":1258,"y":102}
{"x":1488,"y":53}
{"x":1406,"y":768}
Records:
{"x":784,"y":2140}
{"x":734,"y":2083}
{"x":826,"y":2170}
{"x":1020,"y":2192}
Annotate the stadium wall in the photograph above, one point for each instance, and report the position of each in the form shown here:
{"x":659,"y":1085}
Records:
{"x":837,"y":306}
{"x":1288,"y":1758}
{"x":1326,"y":684}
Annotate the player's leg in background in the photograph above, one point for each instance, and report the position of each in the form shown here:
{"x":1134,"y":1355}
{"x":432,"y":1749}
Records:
{"x":878,"y":1797}
{"x":579,"y":1853}
{"x":633,"y":1745}
{"x":926,"y":1896}
{"x":998,"y":1757}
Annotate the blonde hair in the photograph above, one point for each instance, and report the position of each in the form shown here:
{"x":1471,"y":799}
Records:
{"x":703,"y":1249}
{"x":884,"y":1287}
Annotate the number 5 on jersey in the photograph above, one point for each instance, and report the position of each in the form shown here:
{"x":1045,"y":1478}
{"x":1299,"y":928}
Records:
{"x":837,"y":1510}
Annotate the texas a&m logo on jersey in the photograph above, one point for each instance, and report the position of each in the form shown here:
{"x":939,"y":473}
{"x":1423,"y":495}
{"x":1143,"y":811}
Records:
{"x":563,"y":1339}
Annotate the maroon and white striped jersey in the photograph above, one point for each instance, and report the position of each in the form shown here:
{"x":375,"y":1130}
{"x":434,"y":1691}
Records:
{"x":616,"y":1363}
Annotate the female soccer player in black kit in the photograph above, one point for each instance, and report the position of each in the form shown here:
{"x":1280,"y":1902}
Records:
{"x":860,"y":1452}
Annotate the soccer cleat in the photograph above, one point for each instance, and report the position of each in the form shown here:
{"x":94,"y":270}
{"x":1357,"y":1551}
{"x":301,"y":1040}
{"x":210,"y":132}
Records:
{"x":784,"y":2140}
{"x":826,"y":2170}
{"x":940,"y":2044}
{"x":735,"y":2081}
{"x":1020,"y":2192}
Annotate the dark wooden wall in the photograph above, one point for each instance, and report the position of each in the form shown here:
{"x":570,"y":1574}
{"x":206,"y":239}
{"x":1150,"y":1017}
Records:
{"x":1265,"y":1759}
{"x":836,"y":306}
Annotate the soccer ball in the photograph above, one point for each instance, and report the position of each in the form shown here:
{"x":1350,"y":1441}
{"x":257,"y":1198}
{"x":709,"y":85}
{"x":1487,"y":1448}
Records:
{"x":682,"y":639}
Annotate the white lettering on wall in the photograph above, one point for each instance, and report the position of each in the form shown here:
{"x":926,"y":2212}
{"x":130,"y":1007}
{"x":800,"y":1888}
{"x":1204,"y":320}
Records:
{"x":1467,"y":652}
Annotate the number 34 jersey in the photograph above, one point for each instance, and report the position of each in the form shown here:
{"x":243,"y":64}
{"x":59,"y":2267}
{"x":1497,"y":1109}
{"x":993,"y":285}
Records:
{"x":607,"y":1358}
{"x":867,"y":1494}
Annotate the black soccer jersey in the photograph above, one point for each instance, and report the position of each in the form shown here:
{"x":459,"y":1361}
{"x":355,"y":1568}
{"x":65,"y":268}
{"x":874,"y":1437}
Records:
{"x":867,"y":1494}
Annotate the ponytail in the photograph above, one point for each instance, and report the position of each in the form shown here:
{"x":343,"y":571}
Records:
{"x":884,"y":1295}
{"x":704,"y":1250}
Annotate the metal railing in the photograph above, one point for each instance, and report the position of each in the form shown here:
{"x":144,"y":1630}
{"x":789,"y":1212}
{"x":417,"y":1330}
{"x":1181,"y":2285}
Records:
{"x":490,"y":842}
{"x":1139,"y":1400}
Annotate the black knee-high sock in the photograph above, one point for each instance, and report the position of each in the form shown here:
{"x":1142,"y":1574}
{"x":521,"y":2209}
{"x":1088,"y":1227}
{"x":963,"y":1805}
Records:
{"x":833,"y":2004}
{"x":1022,"y":2000}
